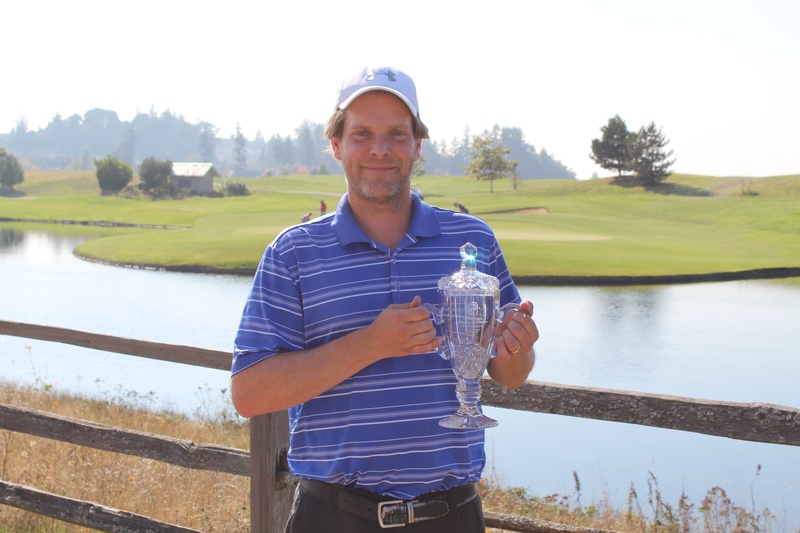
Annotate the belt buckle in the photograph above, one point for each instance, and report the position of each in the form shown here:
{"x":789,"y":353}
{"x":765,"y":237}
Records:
{"x":409,"y":513}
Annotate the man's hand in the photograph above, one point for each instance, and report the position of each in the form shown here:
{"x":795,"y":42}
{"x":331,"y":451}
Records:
{"x":517,"y":333}
{"x":514,"y":341}
{"x":403,"y":329}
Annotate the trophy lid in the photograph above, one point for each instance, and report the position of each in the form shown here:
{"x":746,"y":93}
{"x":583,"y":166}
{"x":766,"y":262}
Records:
{"x":469,"y":279}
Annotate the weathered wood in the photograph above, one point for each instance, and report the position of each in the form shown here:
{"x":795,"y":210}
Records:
{"x":757,"y":422}
{"x":176,"y":353}
{"x":271,"y":495}
{"x":509,"y":522}
{"x":82,"y":513}
{"x":108,"y":438}
{"x":270,"y":498}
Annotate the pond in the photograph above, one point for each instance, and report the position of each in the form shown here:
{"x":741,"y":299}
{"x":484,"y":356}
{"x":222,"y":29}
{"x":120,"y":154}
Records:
{"x":734,"y":341}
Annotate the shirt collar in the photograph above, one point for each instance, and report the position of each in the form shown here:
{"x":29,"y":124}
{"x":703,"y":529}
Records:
{"x":424,"y":222}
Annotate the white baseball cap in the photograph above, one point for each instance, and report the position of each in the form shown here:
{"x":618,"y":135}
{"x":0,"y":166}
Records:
{"x":387,"y":79}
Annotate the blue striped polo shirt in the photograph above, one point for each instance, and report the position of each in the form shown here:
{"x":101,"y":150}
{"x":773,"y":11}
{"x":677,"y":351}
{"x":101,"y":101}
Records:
{"x":378,"y":430}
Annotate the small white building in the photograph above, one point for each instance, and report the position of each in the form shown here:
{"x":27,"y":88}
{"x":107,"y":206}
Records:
{"x":196,"y":177}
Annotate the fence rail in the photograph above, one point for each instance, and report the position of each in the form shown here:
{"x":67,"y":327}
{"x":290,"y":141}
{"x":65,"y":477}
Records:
{"x":756,"y":422}
{"x":177,"y":452}
{"x":270,"y":483}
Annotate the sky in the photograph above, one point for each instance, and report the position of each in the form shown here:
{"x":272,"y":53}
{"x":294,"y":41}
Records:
{"x":721,"y":78}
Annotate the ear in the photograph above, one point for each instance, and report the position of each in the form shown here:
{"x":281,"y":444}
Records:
{"x":336,"y":148}
{"x":417,"y":149}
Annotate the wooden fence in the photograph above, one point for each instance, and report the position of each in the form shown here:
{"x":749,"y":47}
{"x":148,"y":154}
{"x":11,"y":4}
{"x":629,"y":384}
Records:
{"x":271,"y":485}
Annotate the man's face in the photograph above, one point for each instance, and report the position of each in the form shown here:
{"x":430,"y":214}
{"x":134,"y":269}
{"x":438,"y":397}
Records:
{"x":377,"y":148}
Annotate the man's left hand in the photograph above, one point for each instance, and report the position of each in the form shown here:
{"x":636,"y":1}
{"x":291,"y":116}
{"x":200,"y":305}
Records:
{"x":517,"y":333}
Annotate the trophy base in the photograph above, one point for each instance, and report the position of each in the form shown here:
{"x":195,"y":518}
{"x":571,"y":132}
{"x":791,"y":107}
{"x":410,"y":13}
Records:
{"x":458,"y":421}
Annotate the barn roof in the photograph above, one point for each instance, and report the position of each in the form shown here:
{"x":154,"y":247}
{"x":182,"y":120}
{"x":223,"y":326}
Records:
{"x":193,"y":169}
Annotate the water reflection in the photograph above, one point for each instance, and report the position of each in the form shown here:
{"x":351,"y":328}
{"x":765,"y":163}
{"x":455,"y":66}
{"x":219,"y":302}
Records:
{"x":630,"y":318}
{"x":621,"y":305}
{"x":10,"y":238}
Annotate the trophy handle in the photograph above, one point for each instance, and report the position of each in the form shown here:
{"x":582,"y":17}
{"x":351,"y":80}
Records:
{"x":436,"y":316}
{"x":508,"y":307}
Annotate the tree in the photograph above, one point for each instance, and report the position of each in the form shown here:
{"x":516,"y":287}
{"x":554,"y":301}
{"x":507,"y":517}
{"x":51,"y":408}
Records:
{"x":83,"y":161}
{"x":489,"y":161}
{"x":532,"y":164}
{"x":611,"y":151}
{"x":307,"y":152}
{"x":418,"y":170}
{"x":240,"y":151}
{"x":154,"y":176}
{"x":207,"y":142}
{"x":11,"y":172}
{"x":113,"y":175}
{"x":279,"y":152}
{"x":650,"y":160}
{"x":126,"y":148}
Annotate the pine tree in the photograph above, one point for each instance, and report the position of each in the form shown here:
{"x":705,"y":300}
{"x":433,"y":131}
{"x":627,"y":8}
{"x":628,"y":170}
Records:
{"x":650,"y":160}
{"x":240,"y":151}
{"x":611,"y":151}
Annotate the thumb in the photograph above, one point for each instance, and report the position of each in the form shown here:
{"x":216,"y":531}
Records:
{"x":416,"y":302}
{"x":526,"y":307}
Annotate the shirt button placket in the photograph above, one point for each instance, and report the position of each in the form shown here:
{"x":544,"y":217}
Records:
{"x":395,"y":277}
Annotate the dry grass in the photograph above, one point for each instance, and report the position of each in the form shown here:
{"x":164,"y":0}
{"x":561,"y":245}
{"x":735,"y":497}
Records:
{"x":648,"y":513}
{"x":215,"y":502}
{"x":207,"y":501}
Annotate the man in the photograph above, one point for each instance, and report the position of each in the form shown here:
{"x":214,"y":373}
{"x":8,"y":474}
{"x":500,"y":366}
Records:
{"x":333,"y":331}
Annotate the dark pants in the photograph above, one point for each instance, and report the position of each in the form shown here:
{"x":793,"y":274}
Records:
{"x":310,"y":515}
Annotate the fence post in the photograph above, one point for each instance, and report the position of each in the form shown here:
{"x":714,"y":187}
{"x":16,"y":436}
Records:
{"x":270,"y":499}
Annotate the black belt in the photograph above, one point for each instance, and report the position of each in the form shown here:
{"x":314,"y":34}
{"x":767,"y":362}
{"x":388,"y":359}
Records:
{"x":388,"y":512}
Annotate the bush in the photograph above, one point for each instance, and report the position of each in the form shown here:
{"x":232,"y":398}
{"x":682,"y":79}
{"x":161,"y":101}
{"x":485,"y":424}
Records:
{"x":11,"y":172}
{"x":234,"y":188}
{"x":154,"y":177}
{"x":113,"y":175}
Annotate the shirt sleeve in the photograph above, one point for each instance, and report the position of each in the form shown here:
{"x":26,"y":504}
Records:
{"x":272,"y":319}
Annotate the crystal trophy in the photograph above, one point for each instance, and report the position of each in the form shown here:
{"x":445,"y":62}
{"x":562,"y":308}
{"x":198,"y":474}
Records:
{"x":468,"y":315}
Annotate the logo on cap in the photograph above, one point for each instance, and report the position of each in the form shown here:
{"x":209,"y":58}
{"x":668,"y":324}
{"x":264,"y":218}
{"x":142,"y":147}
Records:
{"x":390,"y":76}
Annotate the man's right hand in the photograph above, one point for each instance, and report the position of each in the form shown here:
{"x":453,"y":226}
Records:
{"x":403,"y":329}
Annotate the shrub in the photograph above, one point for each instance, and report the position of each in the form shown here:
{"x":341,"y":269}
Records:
{"x":154,"y":177}
{"x":113,"y":175}
{"x":11,"y":172}
{"x":234,"y":188}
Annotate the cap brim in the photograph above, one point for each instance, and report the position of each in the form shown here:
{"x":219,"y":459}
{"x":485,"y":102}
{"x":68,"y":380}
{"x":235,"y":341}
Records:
{"x":363,"y":90}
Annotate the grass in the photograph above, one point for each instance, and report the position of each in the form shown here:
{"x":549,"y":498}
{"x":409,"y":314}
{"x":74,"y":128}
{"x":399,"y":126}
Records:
{"x":687,"y":225}
{"x":212,"y":502}
{"x":207,"y":501}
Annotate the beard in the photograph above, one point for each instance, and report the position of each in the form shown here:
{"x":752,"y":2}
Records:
{"x":380,"y":192}
{"x":384,"y":194}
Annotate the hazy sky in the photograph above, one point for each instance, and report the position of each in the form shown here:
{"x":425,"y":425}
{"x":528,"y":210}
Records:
{"x":721,"y":77}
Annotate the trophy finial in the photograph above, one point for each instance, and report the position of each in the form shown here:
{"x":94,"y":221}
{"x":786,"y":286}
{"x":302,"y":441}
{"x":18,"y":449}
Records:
{"x":468,"y":255}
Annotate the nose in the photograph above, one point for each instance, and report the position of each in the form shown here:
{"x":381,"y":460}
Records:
{"x":380,"y":145}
